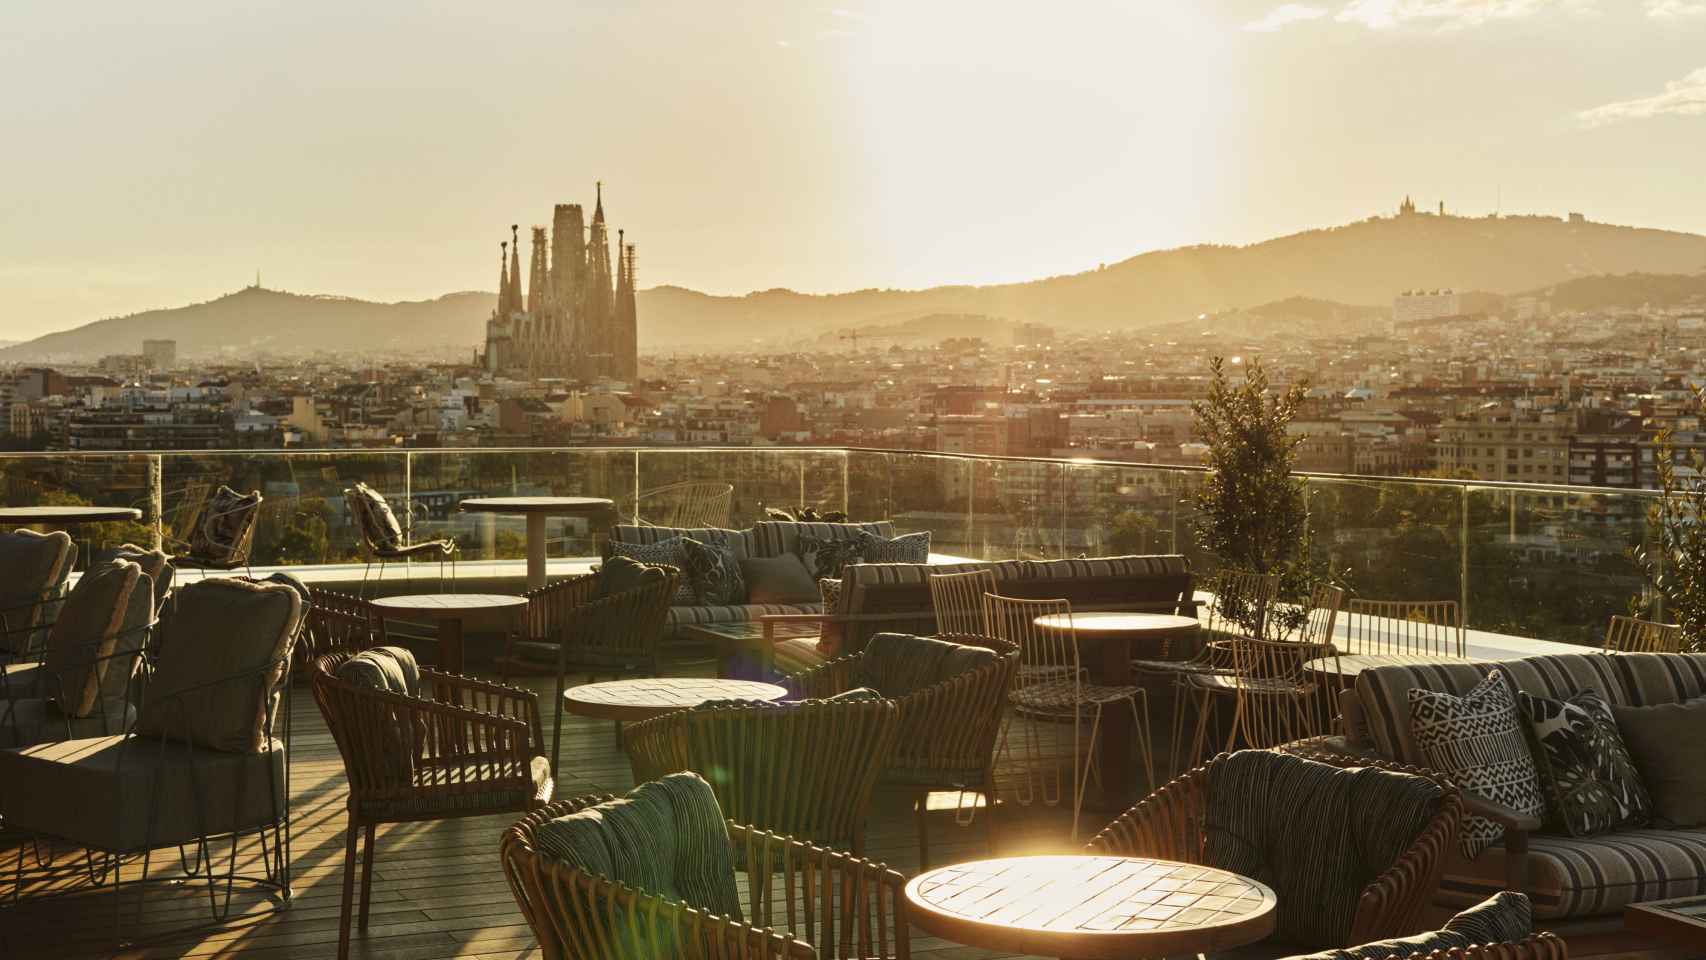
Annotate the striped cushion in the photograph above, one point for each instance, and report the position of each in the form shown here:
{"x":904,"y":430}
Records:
{"x":1589,"y":876}
{"x":740,"y":541}
{"x":666,"y":837}
{"x":1653,"y":678}
{"x":734,"y":613}
{"x":772,"y":538}
{"x":1316,"y":833}
{"x":1559,"y":675}
{"x":796,"y":655}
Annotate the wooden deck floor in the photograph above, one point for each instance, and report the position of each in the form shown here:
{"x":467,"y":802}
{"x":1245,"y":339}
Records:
{"x":438,"y":891}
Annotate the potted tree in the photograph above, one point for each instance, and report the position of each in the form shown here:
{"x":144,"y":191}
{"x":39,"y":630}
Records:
{"x":1674,"y":562}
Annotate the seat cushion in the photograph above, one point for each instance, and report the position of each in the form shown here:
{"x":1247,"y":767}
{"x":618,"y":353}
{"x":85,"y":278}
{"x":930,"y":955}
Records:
{"x":666,"y":837}
{"x":221,"y":629}
{"x":1504,"y":917}
{"x":392,"y":669}
{"x":901,"y":664}
{"x":1572,"y":877}
{"x":126,"y":793}
{"x":29,"y":721}
{"x":620,"y":574}
{"x":1589,"y":779}
{"x":221,"y":534}
{"x":1673,"y":767}
{"x":155,"y":564}
{"x":796,"y":655}
{"x":92,"y":649}
{"x":733,"y":613}
{"x":1480,"y":741}
{"x":671,"y":553}
{"x":783,"y":579}
{"x":34,"y":568}
{"x":1316,"y":833}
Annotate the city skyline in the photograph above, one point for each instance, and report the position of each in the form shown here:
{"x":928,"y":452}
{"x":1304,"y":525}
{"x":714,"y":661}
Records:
{"x":820,"y":149}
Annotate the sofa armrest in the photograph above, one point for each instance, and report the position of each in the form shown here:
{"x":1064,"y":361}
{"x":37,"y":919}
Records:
{"x":1497,"y":812}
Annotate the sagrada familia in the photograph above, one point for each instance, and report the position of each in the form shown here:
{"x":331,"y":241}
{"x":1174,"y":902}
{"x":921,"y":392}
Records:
{"x":576,"y":321}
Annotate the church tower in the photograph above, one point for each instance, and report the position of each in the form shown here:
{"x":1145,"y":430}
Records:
{"x":625,"y":342}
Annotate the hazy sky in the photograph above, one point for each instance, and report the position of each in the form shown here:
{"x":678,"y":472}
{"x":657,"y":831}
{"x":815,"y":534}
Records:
{"x":157,"y":154}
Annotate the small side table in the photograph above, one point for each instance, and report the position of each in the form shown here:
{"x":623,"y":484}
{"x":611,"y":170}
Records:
{"x":1681,"y":921}
{"x":66,"y":516}
{"x":447,"y":610}
{"x":1091,"y":907}
{"x":536,"y":509}
{"x":631,"y":701}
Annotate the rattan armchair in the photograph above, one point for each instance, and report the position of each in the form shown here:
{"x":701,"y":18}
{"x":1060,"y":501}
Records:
{"x":803,"y":769}
{"x":1172,"y":824}
{"x":823,"y":902}
{"x":947,"y":729}
{"x":464,"y":748}
{"x":574,"y":628}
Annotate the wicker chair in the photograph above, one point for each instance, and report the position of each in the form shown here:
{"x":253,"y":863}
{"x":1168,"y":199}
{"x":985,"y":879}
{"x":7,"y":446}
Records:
{"x":472,"y":748}
{"x":805,"y":769}
{"x":573,"y":629}
{"x":1172,"y":824}
{"x":337,"y":623}
{"x":824,"y":900}
{"x":1631,"y":635}
{"x":947,"y":729}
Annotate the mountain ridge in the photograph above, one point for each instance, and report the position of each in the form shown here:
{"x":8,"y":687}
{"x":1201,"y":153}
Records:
{"x":1359,"y":265}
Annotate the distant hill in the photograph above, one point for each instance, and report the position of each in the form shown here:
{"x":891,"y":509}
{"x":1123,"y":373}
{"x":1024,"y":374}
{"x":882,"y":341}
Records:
{"x":1626,"y":290}
{"x":1317,"y":278}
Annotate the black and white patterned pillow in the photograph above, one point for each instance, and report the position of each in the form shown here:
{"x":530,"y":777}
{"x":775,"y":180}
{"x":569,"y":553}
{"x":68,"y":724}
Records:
{"x":1478,"y":740}
{"x":670,"y":552}
{"x":713,"y":571}
{"x":1590,"y":781}
{"x":825,"y":558}
{"x":909,"y":548}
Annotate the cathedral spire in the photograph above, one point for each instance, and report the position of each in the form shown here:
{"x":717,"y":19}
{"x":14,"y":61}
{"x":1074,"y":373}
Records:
{"x":503,"y":275}
{"x":515,"y":267}
{"x":598,"y":209}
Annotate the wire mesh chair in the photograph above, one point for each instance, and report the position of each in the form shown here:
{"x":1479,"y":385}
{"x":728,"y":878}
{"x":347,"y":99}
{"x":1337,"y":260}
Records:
{"x":958,"y":601}
{"x":693,"y":503}
{"x":1056,"y":690}
{"x":1324,"y":604}
{"x":1387,"y":627}
{"x":1632,"y":635}
{"x":1275,"y":700}
{"x":1239,"y":596}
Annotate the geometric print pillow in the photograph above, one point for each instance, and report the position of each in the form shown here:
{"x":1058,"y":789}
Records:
{"x":908,"y":548}
{"x":1590,"y":781}
{"x":1479,"y":741}
{"x":713,"y":571}
{"x":668,"y":552}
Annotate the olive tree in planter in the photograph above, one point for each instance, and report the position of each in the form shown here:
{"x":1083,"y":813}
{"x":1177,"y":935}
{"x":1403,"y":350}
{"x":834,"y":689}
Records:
{"x":1675,"y":559}
{"x":1252,"y":513}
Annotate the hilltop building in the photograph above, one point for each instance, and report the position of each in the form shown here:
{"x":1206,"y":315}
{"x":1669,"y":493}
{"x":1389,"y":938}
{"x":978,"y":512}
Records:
{"x":577,"y":316}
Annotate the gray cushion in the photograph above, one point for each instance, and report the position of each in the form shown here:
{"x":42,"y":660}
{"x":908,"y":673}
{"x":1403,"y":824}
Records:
{"x":219,"y":629}
{"x":105,"y":792}
{"x":668,"y":552}
{"x":97,"y":634}
{"x":1673,"y":766}
{"x":155,"y":563}
{"x":666,"y":837}
{"x":901,"y":664}
{"x":619,"y":574}
{"x":1501,"y":918}
{"x":28,"y":721}
{"x":782,"y":579}
{"x":373,"y":514}
{"x":33,"y":570}
{"x":392,"y":669}
{"x":1317,"y":834}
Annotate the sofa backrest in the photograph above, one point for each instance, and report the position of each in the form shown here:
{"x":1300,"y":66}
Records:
{"x":1383,"y":693}
{"x":772,"y":538}
{"x":900,"y":592}
{"x":741,"y":541}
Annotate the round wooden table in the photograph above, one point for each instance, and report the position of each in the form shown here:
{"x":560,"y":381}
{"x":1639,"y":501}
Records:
{"x":67,"y":516}
{"x":1091,"y":906}
{"x":1350,"y":665}
{"x":1116,"y":638}
{"x":536,"y":509}
{"x":642,"y":699}
{"x":447,"y":610}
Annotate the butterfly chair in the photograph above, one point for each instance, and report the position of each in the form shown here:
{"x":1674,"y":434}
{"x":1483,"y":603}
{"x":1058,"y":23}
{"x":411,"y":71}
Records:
{"x":1631,"y":635}
{"x":382,"y":538}
{"x":223,"y":533}
{"x":1053,"y":688}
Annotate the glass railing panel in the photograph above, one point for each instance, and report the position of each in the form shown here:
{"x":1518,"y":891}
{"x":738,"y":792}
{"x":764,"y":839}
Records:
{"x":302,"y":519}
{"x":1552,"y":564}
{"x":1187,"y":486}
{"x":734,"y":488}
{"x":917,"y":492}
{"x":1389,"y":539}
{"x":441,"y":479}
{"x":116,"y":480}
{"x":1114,"y":509}
{"x":1017,"y":508}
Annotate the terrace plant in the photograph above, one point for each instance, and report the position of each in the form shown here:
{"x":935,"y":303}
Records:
{"x":1674,"y":559}
{"x":1252,"y":513}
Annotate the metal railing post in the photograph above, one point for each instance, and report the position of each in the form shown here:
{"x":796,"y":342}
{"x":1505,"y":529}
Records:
{"x":408,"y":497}
{"x":156,"y":499}
{"x":1463,"y":556}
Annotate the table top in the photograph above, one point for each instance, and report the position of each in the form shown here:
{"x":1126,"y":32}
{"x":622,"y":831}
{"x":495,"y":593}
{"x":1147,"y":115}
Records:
{"x":1681,"y":920}
{"x":537,"y":504}
{"x":448,"y":605}
{"x":1114,"y":621}
{"x":1353,"y":664}
{"x":1091,"y":906}
{"x":649,"y":697}
{"x":67,"y":514}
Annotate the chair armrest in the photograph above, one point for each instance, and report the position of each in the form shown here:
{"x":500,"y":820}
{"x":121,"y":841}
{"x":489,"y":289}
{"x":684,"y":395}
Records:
{"x":953,"y":725}
{"x":840,"y":904}
{"x":1392,"y":905}
{"x":825,"y":680}
{"x":486,"y":697}
{"x":1497,"y":812}
{"x":1169,"y":824}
